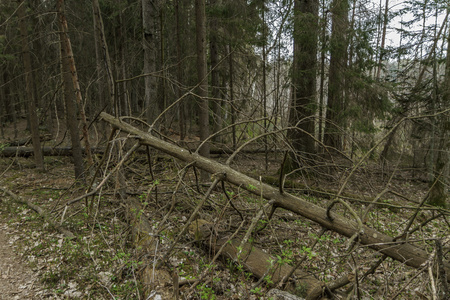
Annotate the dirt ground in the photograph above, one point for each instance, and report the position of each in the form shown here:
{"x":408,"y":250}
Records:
{"x":17,"y":280}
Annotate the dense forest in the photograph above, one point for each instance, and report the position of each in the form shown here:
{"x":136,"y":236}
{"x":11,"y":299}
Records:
{"x":230,"y":149}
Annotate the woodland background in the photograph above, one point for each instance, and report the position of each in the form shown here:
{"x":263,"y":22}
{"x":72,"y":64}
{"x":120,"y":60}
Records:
{"x":307,"y":95}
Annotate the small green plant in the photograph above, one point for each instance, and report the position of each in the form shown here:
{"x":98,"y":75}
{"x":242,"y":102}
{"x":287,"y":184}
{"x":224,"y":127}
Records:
{"x":285,"y":257}
{"x":3,"y":146}
{"x":308,"y":252}
{"x":206,"y":292}
{"x":268,"y":280}
{"x":257,"y":291}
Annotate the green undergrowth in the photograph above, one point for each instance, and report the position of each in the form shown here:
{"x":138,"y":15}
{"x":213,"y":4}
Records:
{"x":100,"y":262}
{"x":97,"y":264}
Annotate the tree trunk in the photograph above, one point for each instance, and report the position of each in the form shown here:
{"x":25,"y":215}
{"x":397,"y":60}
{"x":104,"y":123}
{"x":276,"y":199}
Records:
{"x":203,"y":103}
{"x":215,"y":83}
{"x":67,"y":46}
{"x":323,"y":51}
{"x":101,"y":76}
{"x":121,"y":93}
{"x":47,"y":151}
{"x":71,"y":107}
{"x":264,"y":87}
{"x":231,"y":96}
{"x":162,"y":86}
{"x":181,"y":105}
{"x":303,"y":100}
{"x":383,"y":39}
{"x":149,"y":17}
{"x":256,"y":261}
{"x":438,"y":195}
{"x":338,"y":62}
{"x":32,"y":113}
{"x":104,"y":54}
{"x":399,"y":250}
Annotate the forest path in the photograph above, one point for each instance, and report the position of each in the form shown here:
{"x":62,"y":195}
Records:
{"x":17,"y":280}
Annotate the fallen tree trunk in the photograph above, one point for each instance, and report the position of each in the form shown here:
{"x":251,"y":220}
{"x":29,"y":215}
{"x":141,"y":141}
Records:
{"x":145,"y":242}
{"x":28,"y":151}
{"x":27,"y":140}
{"x":20,"y":151}
{"x":401,"y":251}
{"x":261,"y":264}
{"x":46,"y":151}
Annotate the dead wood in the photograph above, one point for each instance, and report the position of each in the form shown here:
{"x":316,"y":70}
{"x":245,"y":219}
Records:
{"x":277,"y":294}
{"x":19,"y":151}
{"x":331,"y":194}
{"x":46,"y":151}
{"x":146,"y":243}
{"x":401,"y":251}
{"x":258,"y":262}
{"x":27,"y":140}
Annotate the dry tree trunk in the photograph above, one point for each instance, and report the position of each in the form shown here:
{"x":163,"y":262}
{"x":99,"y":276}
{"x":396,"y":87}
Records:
{"x":399,"y":250}
{"x":258,"y":262}
{"x":67,"y":45}
{"x":46,"y":151}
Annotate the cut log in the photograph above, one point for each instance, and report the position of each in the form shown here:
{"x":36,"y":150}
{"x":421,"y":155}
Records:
{"x":402,"y":251}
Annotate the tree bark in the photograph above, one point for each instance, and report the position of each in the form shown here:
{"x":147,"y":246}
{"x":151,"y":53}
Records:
{"x":399,"y":250}
{"x":149,"y":17}
{"x":47,"y":151}
{"x":181,"y":105}
{"x":104,"y":54}
{"x":67,"y":46}
{"x":258,"y":262}
{"x":338,"y":63}
{"x":383,"y":39}
{"x":215,"y":90}
{"x":323,"y":52}
{"x":438,"y":195}
{"x":203,"y":103}
{"x":31,"y":101}
{"x":70,"y":102}
{"x":302,"y":109}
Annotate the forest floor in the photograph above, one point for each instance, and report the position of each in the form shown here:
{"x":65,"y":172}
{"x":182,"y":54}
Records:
{"x":17,"y":280}
{"x":38,"y":262}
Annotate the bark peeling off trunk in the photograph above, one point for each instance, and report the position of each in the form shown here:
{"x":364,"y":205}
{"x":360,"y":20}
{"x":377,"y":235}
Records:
{"x":402,"y":251}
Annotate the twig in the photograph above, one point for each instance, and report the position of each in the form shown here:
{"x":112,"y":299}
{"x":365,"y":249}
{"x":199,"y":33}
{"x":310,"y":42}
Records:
{"x":117,"y":167}
{"x":409,"y":282}
{"x":231,"y":202}
{"x":251,"y":227}
{"x":442,"y":273}
{"x":374,"y":267}
{"x":191,"y":218}
{"x":433,"y":286}
{"x":215,"y":258}
{"x":147,"y":148}
{"x":300,"y":262}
